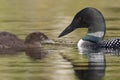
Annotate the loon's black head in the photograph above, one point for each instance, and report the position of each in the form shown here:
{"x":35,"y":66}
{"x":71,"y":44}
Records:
{"x":89,"y":18}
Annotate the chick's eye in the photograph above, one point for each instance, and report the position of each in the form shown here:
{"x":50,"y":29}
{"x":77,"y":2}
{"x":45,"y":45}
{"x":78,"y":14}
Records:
{"x":79,"y":19}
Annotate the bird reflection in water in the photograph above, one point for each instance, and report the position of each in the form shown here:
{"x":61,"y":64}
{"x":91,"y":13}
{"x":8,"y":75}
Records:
{"x":95,"y":70}
{"x":36,"y":53}
{"x":33,"y":53}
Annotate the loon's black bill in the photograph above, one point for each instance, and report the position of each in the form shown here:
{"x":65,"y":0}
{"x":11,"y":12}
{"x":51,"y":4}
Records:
{"x":67,"y":30}
{"x":74,"y":24}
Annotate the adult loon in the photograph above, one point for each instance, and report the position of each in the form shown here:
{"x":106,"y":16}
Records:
{"x":34,"y":39}
{"x":92,"y":19}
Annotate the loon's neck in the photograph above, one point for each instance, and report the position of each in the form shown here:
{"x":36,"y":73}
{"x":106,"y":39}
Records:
{"x":96,"y":31}
{"x":91,"y":38}
{"x":94,"y":36}
{"x":97,"y":27}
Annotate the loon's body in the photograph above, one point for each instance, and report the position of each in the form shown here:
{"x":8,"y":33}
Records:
{"x":92,"y":19}
{"x":105,"y":44}
{"x":111,"y":44}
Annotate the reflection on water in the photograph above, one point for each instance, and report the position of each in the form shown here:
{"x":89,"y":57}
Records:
{"x":34,"y":64}
{"x":95,"y":69}
{"x":36,"y":53}
{"x":39,"y":63}
{"x":96,"y":64}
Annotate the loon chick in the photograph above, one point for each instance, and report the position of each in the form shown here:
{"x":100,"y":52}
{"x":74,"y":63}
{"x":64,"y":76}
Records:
{"x":35,"y":39}
{"x":92,"y":19}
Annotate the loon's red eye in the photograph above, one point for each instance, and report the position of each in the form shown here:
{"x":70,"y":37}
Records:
{"x":78,"y":19}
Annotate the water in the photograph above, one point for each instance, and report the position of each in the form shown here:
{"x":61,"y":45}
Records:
{"x":60,"y":61}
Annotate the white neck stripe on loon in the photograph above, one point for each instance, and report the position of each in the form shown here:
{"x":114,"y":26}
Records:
{"x":97,"y":34}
